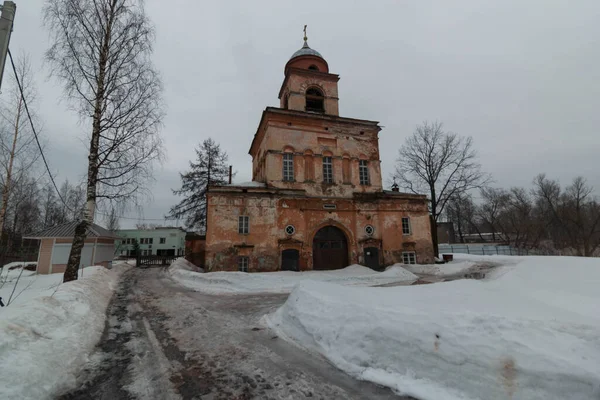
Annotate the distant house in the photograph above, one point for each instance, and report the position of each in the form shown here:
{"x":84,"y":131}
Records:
{"x":55,"y":247}
{"x":167,"y":241}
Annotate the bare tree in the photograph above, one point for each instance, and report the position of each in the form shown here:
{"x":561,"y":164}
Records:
{"x":17,"y":153}
{"x":460,"y":210}
{"x":112,"y":220}
{"x":573,"y":214}
{"x":493,"y":206}
{"x":441,"y":164}
{"x":101,"y":51}
{"x":520,"y":222}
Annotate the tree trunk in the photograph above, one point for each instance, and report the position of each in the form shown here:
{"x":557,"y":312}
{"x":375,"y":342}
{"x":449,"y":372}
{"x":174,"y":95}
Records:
{"x":6,"y":189}
{"x":434,"y":236}
{"x":75,"y":254}
{"x":90,"y":207}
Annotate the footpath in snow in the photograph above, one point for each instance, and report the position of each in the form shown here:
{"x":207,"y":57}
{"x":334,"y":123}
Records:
{"x":530,"y":331}
{"x":284,"y":281}
{"x":50,"y":329}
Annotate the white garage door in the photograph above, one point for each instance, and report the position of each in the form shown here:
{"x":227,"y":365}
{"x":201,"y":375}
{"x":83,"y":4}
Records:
{"x":104,"y":252}
{"x":60,"y":254}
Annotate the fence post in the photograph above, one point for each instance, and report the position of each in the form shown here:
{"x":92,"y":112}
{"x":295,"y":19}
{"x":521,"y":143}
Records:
{"x":510,"y":250}
{"x":468,"y":251}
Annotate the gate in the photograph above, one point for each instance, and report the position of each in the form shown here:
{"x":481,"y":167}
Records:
{"x":289,"y":260}
{"x":155,"y":261}
{"x":330,"y":249}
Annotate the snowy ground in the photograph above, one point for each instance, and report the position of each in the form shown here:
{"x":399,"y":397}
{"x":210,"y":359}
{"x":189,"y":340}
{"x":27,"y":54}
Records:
{"x":47,"y":333}
{"x":462,"y":264}
{"x":527,"y":331}
{"x":285,"y":281}
{"x":164,"y":341}
{"x":19,"y":286}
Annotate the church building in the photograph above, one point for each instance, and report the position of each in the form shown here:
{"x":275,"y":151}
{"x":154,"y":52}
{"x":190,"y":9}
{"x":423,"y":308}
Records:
{"x":316,"y":200}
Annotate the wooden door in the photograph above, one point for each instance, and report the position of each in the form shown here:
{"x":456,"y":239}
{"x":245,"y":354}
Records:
{"x":330,"y":249}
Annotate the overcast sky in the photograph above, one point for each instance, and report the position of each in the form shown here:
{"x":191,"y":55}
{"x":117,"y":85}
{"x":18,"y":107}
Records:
{"x":521,"y":77}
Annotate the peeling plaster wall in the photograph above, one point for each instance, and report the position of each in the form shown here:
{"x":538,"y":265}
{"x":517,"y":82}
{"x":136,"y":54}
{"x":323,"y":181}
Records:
{"x":308,"y":141}
{"x":270,"y":213}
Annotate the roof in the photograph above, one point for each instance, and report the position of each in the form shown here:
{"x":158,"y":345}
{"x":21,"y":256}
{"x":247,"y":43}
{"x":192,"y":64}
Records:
{"x":68,"y":231}
{"x":306,"y":51}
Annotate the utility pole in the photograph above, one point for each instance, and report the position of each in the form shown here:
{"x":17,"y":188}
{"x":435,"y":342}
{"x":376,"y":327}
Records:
{"x":7,"y":18}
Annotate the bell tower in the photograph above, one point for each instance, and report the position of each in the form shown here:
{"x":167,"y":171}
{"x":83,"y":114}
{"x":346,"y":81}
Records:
{"x":308,"y":86}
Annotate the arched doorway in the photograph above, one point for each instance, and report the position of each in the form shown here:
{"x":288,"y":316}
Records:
{"x":330,"y":249}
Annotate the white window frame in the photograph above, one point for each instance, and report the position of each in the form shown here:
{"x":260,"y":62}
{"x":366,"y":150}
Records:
{"x":243,"y":224}
{"x":406,"y":226}
{"x":288,"y":167}
{"x":291,"y":228}
{"x":327,"y":169}
{"x":363,"y":172}
{"x":243,"y":263}
{"x":409,"y":257}
{"x":163,"y":240}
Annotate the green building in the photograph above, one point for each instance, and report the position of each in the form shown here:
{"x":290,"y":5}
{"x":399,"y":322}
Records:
{"x":157,"y":241}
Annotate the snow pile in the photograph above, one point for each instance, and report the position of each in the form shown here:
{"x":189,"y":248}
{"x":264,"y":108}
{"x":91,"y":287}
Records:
{"x":181,"y":264}
{"x":45,"y":341}
{"x":285,"y":281}
{"x":530,"y":333}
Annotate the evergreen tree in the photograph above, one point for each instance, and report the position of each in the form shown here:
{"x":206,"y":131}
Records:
{"x":210,"y":168}
{"x":136,"y":248}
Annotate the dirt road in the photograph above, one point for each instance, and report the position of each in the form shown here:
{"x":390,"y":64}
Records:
{"x":162,"y":341}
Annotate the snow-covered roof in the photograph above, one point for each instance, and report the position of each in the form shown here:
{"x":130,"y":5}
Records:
{"x":248,"y":184}
{"x":68,"y":231}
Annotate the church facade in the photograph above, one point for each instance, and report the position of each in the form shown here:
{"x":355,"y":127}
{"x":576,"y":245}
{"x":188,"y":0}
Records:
{"x":316,"y":200}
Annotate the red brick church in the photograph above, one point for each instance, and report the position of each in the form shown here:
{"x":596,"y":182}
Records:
{"x":316,"y":199}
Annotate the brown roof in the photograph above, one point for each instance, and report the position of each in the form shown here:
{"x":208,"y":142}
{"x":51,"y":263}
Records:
{"x":68,"y":231}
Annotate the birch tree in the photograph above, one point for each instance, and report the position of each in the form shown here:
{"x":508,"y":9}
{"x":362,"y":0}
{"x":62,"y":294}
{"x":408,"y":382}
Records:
{"x":101,"y":52}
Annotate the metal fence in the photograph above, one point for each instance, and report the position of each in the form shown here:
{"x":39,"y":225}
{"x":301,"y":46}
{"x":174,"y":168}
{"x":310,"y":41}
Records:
{"x":486,"y":250}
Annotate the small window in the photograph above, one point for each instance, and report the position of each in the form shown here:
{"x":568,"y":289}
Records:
{"x":163,"y":240}
{"x":327,"y":170}
{"x":123,"y":252}
{"x":290,"y":230}
{"x":243,"y":263}
{"x":243,"y":224}
{"x":369,"y":230}
{"x":406,"y":230}
{"x":363,"y":172}
{"x":313,"y":68}
{"x":288,"y":167}
{"x":409,"y":257}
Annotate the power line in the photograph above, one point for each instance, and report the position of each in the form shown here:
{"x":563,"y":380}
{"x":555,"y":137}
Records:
{"x":44,"y":157}
{"x":34,"y":131}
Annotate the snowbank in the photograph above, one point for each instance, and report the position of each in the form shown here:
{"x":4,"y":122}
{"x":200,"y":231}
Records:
{"x":181,"y":264}
{"x":285,"y":281}
{"x":44,"y":341}
{"x":530,"y":333}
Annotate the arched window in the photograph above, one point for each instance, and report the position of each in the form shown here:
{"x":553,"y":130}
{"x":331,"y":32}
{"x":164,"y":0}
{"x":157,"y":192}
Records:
{"x":313,"y":68}
{"x":285,"y":101}
{"x":315,"y":101}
